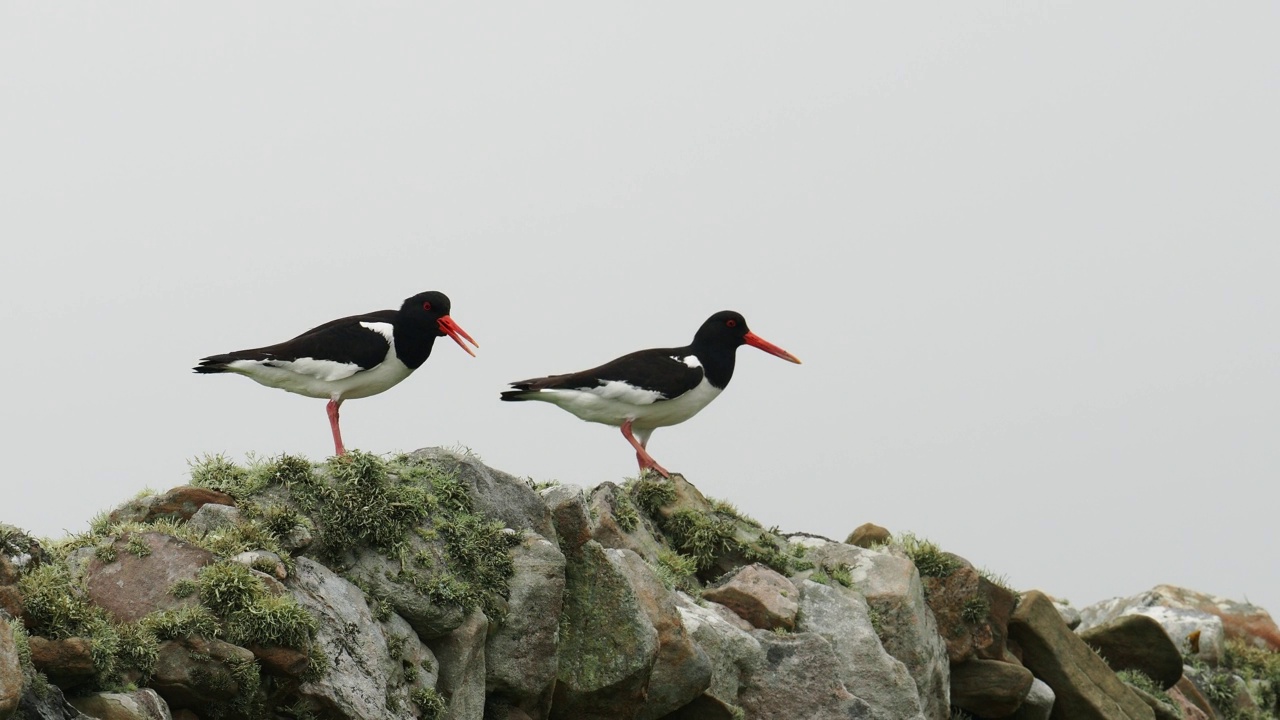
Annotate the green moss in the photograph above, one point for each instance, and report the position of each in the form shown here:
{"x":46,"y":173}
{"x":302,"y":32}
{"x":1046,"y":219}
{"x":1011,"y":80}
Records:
{"x":702,"y":538}
{"x":928,"y":558}
{"x":1260,"y":668}
{"x":229,"y":586}
{"x":624,"y":511}
{"x":216,"y":472}
{"x":183,"y":622}
{"x":651,"y":495}
{"x":480,"y":553}
{"x":22,"y":644}
{"x":431,"y":704}
{"x":137,"y":547}
{"x":841,"y":573}
{"x":975,"y":609}
{"x":105,"y":552}
{"x":272,"y":620}
{"x":678,"y":572}
{"x":54,"y":605}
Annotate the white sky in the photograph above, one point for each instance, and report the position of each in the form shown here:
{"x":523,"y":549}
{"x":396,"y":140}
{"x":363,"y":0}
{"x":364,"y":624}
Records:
{"x":1027,"y":251}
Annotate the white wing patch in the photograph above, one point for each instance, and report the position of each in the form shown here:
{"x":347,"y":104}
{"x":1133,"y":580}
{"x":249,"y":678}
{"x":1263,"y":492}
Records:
{"x":622,"y":392}
{"x":323,"y":370}
{"x":689,"y":360}
{"x":386,"y":330}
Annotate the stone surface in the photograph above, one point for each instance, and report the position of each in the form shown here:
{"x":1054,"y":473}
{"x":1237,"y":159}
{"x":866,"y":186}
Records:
{"x":953,"y":598}
{"x":867,"y":671}
{"x":11,"y":679}
{"x":1085,"y":688}
{"x":180,"y":503}
{"x":460,"y":655}
{"x":989,"y":688}
{"x":281,"y":661}
{"x":143,"y":704}
{"x":733,"y":652}
{"x":363,"y":678}
{"x":1070,"y":615}
{"x":759,"y":595}
{"x":193,"y":672}
{"x":569,"y":514}
{"x":130,"y":586}
{"x":1037,"y":705}
{"x":1190,"y":701}
{"x":381,"y":576}
{"x":681,"y":670}
{"x":49,"y":704}
{"x":262,"y":559}
{"x":799,"y":679}
{"x":607,"y":644}
{"x":892,"y":588}
{"x":494,"y":493}
{"x":521,"y":652}
{"x":11,"y":601}
{"x":8,"y":572}
{"x":212,"y":518}
{"x":1137,"y":642}
{"x":606,"y":530}
{"x":703,"y":707}
{"x":62,"y":660}
{"x":1163,"y":709}
{"x":1193,"y":621}
{"x":868,"y":534}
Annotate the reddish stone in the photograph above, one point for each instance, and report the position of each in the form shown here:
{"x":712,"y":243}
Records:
{"x":11,"y":601}
{"x":281,"y":661}
{"x":953,"y":597}
{"x":8,"y":573}
{"x":131,"y":587}
{"x":760,"y":596}
{"x":867,"y":535}
{"x":66,"y":658}
{"x":179,"y":503}
{"x":1239,"y":619}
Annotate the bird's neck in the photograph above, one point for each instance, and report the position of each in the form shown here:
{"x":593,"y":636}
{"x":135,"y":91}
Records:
{"x":413,"y":348}
{"x":717,"y":363}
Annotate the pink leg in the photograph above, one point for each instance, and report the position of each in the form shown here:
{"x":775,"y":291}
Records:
{"x":332,"y":409}
{"x":642,"y":456}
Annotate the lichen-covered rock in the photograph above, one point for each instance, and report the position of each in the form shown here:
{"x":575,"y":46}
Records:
{"x":521,"y":654}
{"x":462,"y":667}
{"x":145,"y":566}
{"x":1137,"y":642}
{"x":212,"y":518}
{"x":11,"y":679}
{"x":989,"y":688}
{"x":866,"y":670}
{"x":617,"y":523}
{"x":799,"y":679}
{"x":363,"y":679}
{"x":494,"y":493}
{"x":1085,"y":688}
{"x":607,"y":643}
{"x":143,"y":704}
{"x":972,"y":613}
{"x":733,"y":652}
{"x":1194,"y":632}
{"x":193,"y":672}
{"x":892,"y":588}
{"x":180,"y":503}
{"x":681,"y":670}
{"x":759,"y":595}
{"x":1192,"y":618}
{"x":405,"y":589}
{"x":569,"y":514}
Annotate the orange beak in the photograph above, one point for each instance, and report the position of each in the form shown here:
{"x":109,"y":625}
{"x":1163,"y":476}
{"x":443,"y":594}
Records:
{"x":451,"y":328}
{"x":756,"y":341}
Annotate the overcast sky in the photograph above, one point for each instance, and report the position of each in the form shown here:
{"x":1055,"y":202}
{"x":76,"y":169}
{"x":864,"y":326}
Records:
{"x":1028,"y":252}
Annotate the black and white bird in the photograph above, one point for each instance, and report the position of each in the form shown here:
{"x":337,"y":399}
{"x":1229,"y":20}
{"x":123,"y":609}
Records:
{"x":352,"y":357}
{"x":654,"y":388}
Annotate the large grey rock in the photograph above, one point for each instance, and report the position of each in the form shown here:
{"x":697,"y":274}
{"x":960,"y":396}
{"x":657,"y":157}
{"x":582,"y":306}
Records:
{"x":132,"y":585}
{"x":799,"y":679}
{"x":569,"y":514}
{"x":143,"y":704}
{"x":212,"y":518}
{"x":522,"y":653}
{"x":733,"y":652}
{"x":909,"y":632}
{"x":989,"y":688}
{"x":1137,"y":642}
{"x":1194,"y":632}
{"x":196,"y":671}
{"x":405,"y":588}
{"x":1085,"y":688}
{"x":759,"y":595}
{"x":364,"y":680}
{"x":494,"y":493}
{"x":607,"y":643}
{"x":462,"y":672}
{"x":46,"y":704}
{"x":1241,"y":620}
{"x":867,"y":671}
{"x":681,"y":670}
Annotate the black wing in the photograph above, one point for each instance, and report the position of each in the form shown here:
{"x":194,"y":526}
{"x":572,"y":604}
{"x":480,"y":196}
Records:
{"x":657,"y":370}
{"x":343,"y":341}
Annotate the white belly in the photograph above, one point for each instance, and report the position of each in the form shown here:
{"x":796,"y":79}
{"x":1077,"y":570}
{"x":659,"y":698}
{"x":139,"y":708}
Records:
{"x":607,"y":407}
{"x":376,"y":379}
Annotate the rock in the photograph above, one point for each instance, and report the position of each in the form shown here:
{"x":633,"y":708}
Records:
{"x":143,"y":704}
{"x":196,"y":671}
{"x":8,"y":573}
{"x":1070,"y":615}
{"x":65,"y":660}
{"x":681,"y":670}
{"x":1137,"y":642}
{"x":866,"y":670}
{"x":494,"y":493}
{"x":799,"y":680}
{"x":1162,"y":709}
{"x":11,"y":679}
{"x":569,"y":514}
{"x":1085,"y":688}
{"x":760,"y":596}
{"x":867,"y":535}
{"x":364,"y":675}
{"x":382,"y":578}
{"x":46,"y":703}
{"x":281,"y":661}
{"x":521,"y":652}
{"x":11,"y":601}
{"x":607,"y":644}
{"x":1194,"y":633}
{"x":989,"y":688}
{"x":893,"y":591}
{"x":608,"y":530}
{"x":1191,"y":703}
{"x":703,"y":707}
{"x":130,"y":586}
{"x":1037,"y":705}
{"x":1240,"y":620}
{"x":263,"y":559}
{"x":462,"y":667}
{"x":214,"y":518}
{"x":729,"y":616}
{"x":733,"y":652}
{"x":1183,"y":613}
{"x":972,"y":613}
{"x":180,"y":503}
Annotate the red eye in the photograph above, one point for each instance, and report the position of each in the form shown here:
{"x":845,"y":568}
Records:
{"x":731,"y":323}
{"x":426,"y":306}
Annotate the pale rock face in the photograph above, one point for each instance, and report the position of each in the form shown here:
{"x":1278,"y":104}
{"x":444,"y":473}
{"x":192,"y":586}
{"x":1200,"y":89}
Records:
{"x":142,"y":704}
{"x":732,"y":651}
{"x":1180,"y":623}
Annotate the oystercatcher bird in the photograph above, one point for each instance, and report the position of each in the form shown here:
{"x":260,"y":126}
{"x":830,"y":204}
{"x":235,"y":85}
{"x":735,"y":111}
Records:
{"x":352,"y":357}
{"x":654,"y":388}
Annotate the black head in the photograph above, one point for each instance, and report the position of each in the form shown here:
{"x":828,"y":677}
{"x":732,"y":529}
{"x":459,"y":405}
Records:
{"x":429,"y":312}
{"x":728,"y":329}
